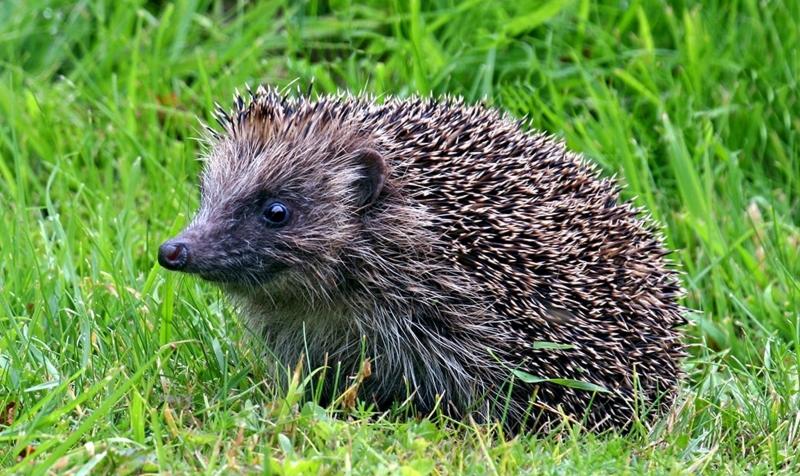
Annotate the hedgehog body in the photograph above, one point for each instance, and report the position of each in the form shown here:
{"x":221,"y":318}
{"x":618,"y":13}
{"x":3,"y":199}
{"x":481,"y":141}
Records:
{"x":480,"y":267}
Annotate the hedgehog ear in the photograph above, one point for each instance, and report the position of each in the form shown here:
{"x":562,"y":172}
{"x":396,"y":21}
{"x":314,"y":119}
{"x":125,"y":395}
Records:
{"x":373,"y":175}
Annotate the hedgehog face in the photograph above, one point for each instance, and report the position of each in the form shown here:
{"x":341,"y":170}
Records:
{"x":275,"y":207}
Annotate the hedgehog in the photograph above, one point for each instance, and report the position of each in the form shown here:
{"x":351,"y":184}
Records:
{"x":483,"y":269}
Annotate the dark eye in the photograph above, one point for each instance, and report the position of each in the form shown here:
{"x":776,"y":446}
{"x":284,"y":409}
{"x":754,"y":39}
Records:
{"x":276,"y":214}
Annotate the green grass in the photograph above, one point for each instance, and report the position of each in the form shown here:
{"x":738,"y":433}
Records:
{"x":110,"y":364}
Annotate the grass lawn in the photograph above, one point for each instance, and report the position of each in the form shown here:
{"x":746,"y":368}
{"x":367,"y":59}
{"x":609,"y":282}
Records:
{"x":110,"y":364}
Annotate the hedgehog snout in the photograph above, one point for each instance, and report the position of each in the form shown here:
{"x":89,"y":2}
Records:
{"x":174,"y":254}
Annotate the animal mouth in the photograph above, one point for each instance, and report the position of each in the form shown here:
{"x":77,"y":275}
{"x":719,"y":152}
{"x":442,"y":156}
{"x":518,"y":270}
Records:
{"x":241,"y":277}
{"x":188,"y":254}
{"x":217,"y":276}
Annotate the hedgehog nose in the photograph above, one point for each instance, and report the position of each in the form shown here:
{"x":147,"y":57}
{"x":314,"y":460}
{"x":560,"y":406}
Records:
{"x":173,"y":255}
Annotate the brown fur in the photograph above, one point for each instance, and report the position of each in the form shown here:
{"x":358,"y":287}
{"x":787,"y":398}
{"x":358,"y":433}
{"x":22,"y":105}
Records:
{"x":483,"y":246}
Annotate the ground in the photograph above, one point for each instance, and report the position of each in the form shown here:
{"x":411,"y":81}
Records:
{"x":112,"y":365}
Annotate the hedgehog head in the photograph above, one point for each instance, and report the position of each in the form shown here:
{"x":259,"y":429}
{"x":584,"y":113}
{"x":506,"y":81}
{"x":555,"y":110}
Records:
{"x":284,"y":191}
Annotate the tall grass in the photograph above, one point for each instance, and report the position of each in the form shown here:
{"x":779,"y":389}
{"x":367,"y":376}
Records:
{"x":108,"y":364}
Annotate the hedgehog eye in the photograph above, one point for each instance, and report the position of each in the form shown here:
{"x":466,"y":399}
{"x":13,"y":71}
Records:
{"x":276,"y":213}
